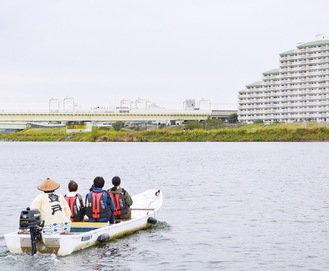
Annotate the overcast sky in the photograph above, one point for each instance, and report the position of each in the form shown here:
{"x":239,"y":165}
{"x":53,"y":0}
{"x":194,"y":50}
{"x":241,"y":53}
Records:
{"x":99,"y":52}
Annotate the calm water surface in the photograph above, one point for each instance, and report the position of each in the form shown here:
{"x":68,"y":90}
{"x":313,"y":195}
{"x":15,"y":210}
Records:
{"x":227,"y":206}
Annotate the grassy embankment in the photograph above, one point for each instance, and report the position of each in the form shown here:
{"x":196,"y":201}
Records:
{"x":247,"y":133}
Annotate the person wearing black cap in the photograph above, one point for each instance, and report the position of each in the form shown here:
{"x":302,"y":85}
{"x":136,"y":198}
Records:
{"x":121,"y":198}
{"x":53,"y":208}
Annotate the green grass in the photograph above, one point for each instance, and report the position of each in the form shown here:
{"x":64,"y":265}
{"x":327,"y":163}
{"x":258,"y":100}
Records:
{"x":247,"y":133}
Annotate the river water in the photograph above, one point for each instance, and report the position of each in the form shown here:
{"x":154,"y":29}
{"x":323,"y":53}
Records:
{"x":227,"y":206}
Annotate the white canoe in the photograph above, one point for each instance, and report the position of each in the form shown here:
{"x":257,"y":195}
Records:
{"x":85,"y":234}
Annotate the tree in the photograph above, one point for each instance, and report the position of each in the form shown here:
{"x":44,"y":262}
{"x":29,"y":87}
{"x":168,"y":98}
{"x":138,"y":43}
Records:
{"x":118,"y":125}
{"x":233,"y":118}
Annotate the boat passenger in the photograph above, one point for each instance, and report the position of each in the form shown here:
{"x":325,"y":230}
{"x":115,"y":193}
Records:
{"x":75,"y":202}
{"x":53,"y":208}
{"x":99,"y":206}
{"x":121,"y":199}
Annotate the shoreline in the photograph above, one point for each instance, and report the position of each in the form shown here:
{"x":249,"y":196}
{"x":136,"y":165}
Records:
{"x":313,"y":132}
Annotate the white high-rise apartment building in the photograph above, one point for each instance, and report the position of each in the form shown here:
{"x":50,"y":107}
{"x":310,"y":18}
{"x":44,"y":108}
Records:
{"x":297,"y":91}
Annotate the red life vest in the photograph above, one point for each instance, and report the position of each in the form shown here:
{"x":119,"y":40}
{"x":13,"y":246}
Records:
{"x":97,"y":209}
{"x":71,"y":201}
{"x":121,"y":208}
{"x":96,"y":204}
{"x":76,"y":213}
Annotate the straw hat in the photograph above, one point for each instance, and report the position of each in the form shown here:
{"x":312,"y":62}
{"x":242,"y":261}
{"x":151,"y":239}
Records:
{"x":48,"y":185}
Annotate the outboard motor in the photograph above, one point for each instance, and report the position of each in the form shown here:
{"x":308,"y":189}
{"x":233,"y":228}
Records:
{"x":30,"y":220}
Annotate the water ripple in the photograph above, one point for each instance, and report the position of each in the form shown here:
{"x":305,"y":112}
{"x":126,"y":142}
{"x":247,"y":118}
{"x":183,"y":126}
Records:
{"x":228,"y":206}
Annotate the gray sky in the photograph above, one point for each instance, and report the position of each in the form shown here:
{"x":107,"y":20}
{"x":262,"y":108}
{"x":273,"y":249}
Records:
{"x":100,"y":51}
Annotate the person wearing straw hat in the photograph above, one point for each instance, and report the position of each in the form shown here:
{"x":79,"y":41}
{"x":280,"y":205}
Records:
{"x":54,"y":209}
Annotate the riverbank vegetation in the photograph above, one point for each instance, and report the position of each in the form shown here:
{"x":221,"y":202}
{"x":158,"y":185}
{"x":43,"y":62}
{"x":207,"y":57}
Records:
{"x":191,"y":132}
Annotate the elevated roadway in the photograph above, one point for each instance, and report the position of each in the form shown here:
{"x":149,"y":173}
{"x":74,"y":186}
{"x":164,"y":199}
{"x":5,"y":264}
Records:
{"x":146,"y":115}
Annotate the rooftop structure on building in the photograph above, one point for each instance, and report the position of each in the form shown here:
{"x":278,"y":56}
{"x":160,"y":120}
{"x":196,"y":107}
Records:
{"x":297,"y":91}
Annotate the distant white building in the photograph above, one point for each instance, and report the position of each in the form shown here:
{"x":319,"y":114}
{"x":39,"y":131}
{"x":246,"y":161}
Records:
{"x":189,"y":104}
{"x":296,"y":92}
